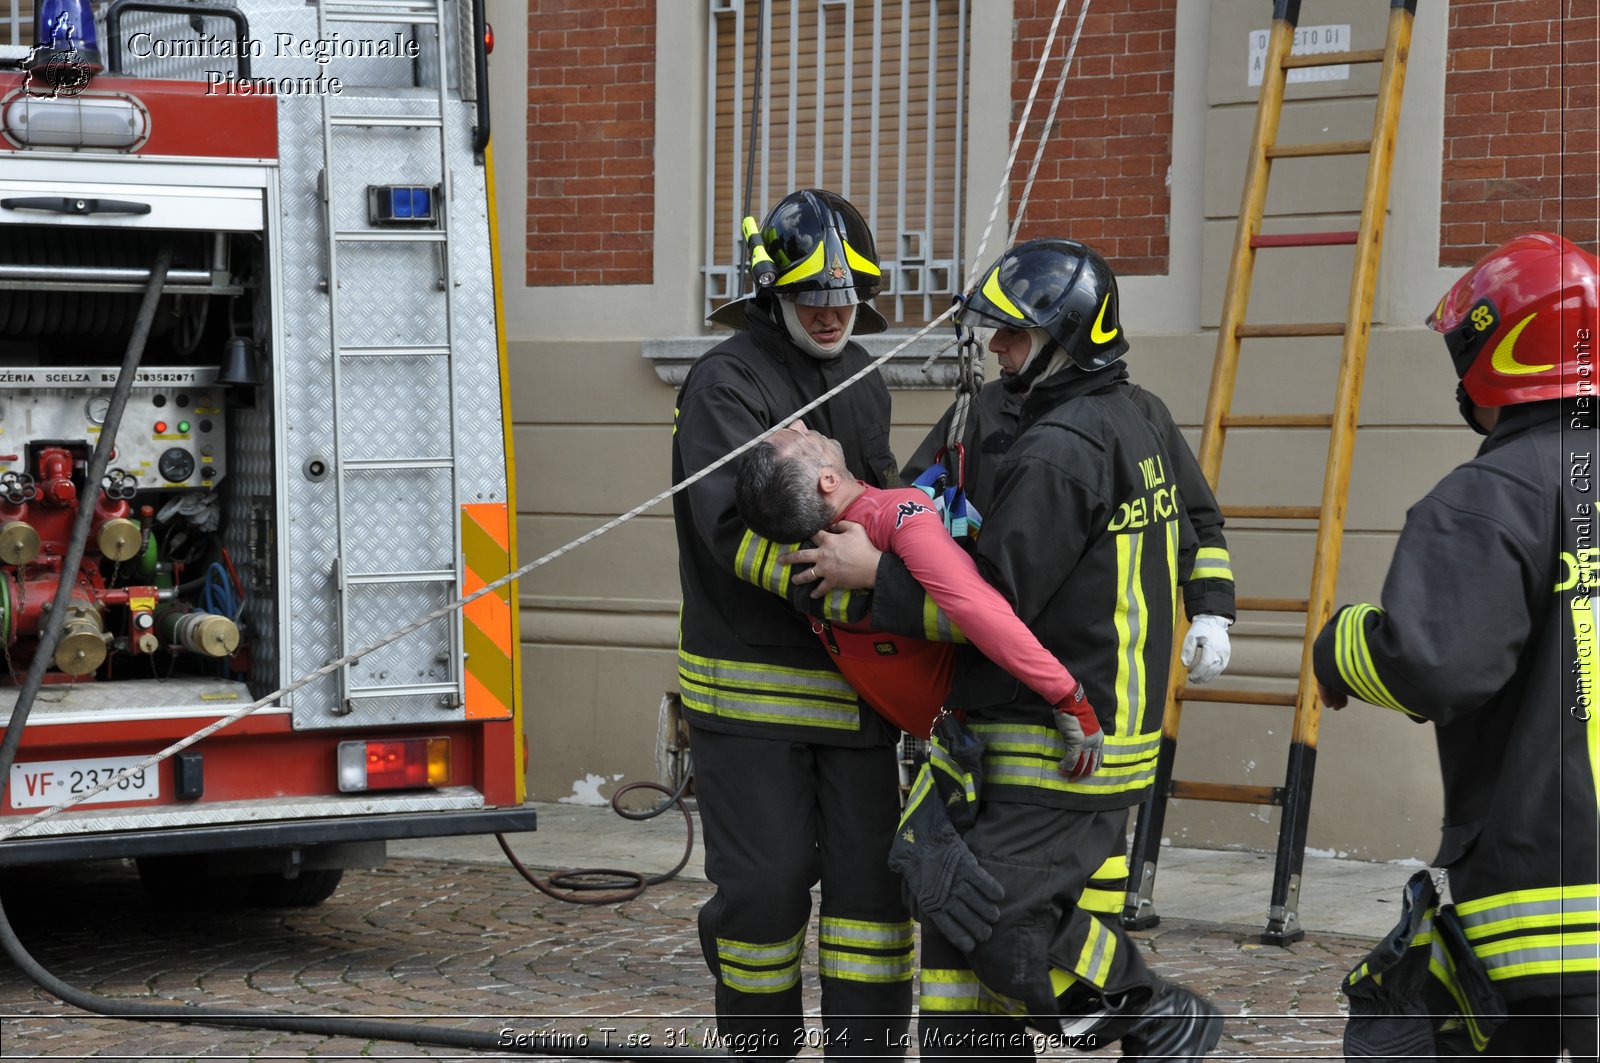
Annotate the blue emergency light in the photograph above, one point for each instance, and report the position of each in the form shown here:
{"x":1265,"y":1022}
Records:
{"x":66,"y":28}
{"x":401,"y":205}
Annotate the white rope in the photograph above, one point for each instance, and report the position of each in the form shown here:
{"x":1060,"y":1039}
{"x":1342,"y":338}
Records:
{"x":1016,"y":144}
{"x":445,"y":610}
{"x":970,"y":355}
{"x":1049,"y":123}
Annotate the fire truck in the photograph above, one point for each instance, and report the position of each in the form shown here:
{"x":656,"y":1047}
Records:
{"x":313,"y":452}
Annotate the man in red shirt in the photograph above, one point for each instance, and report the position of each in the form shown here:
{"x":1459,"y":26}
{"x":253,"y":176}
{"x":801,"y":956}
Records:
{"x":797,"y":483}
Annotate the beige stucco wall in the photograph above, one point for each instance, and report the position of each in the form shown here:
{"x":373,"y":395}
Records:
{"x":593,"y":419}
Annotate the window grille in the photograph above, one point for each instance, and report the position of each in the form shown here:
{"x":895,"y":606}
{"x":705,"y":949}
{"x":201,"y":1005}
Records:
{"x":866,"y":98}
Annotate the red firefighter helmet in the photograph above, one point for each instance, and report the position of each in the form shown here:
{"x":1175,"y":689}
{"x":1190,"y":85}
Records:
{"x":1520,"y":325}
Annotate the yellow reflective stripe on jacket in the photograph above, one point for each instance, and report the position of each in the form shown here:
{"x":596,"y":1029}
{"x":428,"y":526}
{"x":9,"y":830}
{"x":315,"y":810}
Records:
{"x":1212,"y":562}
{"x":836,"y":605}
{"x":1355,"y":660}
{"x":756,"y":561}
{"x":1129,"y":763}
{"x":1586,"y":663}
{"x":1541,"y":909}
{"x":1130,"y":618}
{"x":936,"y":625}
{"x":1533,"y":954}
{"x":768,"y":693}
{"x":958,"y":990}
{"x":1172,"y":566}
{"x":921,"y":787}
{"x":860,"y":950}
{"x":760,"y":967}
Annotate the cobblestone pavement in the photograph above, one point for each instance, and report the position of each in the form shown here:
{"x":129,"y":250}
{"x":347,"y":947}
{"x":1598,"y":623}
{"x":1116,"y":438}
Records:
{"x":474,"y":947}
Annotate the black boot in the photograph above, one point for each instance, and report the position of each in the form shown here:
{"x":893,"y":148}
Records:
{"x":1176,"y":1025}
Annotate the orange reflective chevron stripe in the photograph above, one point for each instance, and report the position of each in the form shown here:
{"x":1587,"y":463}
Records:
{"x":486,"y":628}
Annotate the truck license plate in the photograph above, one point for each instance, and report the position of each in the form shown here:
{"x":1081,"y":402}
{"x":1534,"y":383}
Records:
{"x":43,"y":783}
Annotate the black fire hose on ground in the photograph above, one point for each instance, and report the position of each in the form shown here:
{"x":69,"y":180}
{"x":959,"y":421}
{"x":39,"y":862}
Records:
{"x":55,"y":619}
{"x":626,"y":884}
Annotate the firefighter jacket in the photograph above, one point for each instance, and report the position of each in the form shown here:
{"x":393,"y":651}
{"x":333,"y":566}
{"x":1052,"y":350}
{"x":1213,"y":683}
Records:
{"x":1205,"y":569}
{"x":1488,"y":628}
{"x":747,"y":661}
{"x":1082,"y":539}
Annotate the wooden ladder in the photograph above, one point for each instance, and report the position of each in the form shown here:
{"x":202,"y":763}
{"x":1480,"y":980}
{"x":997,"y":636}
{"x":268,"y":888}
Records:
{"x":1294,"y":796}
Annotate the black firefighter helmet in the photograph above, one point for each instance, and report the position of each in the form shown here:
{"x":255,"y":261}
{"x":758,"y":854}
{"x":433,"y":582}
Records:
{"x":825,"y":256}
{"x":1060,"y":286}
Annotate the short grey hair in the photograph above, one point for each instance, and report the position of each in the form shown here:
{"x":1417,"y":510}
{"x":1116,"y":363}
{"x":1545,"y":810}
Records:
{"x":777,"y":495}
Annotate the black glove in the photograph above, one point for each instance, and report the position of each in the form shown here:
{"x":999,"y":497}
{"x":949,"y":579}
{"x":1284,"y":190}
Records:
{"x":943,"y":878}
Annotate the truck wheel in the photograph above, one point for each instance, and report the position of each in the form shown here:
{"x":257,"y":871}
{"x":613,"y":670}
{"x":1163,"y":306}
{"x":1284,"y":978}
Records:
{"x":306,"y":890}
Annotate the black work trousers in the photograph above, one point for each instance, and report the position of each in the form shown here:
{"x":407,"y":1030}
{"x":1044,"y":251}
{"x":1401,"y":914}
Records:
{"x":778,"y":817}
{"x":1047,"y":958}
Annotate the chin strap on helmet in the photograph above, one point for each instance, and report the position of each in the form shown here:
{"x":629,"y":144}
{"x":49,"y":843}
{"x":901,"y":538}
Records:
{"x":1467,"y":407}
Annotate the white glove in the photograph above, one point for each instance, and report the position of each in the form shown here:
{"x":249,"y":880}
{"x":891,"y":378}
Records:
{"x":1205,"y":648}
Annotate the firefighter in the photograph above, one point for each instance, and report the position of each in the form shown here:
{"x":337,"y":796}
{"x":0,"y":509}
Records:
{"x":1081,"y":537}
{"x":1205,"y":570}
{"x":1488,"y":628}
{"x":796,"y":779}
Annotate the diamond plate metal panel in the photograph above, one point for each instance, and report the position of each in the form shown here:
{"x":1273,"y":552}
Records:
{"x":398,"y":520}
{"x":388,"y":295}
{"x":399,"y":404}
{"x":194,"y":815}
{"x":422,"y":657}
{"x":126,"y":699}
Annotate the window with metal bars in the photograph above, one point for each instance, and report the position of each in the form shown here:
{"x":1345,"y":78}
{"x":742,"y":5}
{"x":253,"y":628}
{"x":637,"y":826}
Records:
{"x":866,"y":98}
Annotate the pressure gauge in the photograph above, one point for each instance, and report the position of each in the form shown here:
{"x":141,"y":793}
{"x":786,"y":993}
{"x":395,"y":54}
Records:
{"x":97,"y":408}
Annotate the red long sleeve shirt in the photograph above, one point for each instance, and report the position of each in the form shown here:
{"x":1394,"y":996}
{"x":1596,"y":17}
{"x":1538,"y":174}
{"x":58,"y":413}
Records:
{"x":907,"y":679}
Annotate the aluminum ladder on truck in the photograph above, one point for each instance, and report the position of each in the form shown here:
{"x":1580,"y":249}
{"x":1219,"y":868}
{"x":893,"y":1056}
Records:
{"x":1294,"y":796}
{"x":354,"y":478}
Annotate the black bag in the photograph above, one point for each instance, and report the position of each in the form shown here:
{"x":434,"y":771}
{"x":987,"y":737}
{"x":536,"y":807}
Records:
{"x":1422,"y":990}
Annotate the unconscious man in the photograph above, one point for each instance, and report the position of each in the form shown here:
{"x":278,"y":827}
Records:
{"x":797,"y":483}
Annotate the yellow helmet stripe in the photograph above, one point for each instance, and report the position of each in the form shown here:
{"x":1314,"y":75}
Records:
{"x":811,"y":266}
{"x":858,"y":263}
{"x":991,"y":290}
{"x":1504,"y":359}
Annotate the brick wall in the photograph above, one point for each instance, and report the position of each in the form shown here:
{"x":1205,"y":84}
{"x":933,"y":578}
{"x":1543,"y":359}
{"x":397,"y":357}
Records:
{"x":1519,"y":126}
{"x":1103,"y":179}
{"x":591,"y":141}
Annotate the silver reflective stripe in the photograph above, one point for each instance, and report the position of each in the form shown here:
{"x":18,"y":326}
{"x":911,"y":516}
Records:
{"x":1016,"y":771}
{"x":1529,"y":909}
{"x":767,"y":693}
{"x":866,"y":934}
{"x":757,"y":562}
{"x":855,"y":967}
{"x":1047,"y":742}
{"x":775,"y":981}
{"x":1212,"y":562}
{"x":949,"y":990}
{"x":1130,"y":621}
{"x":1536,"y":954}
{"x":759,"y":952}
{"x":836,"y":606}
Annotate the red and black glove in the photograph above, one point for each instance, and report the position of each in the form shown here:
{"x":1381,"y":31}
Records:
{"x":1078,"y":725}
